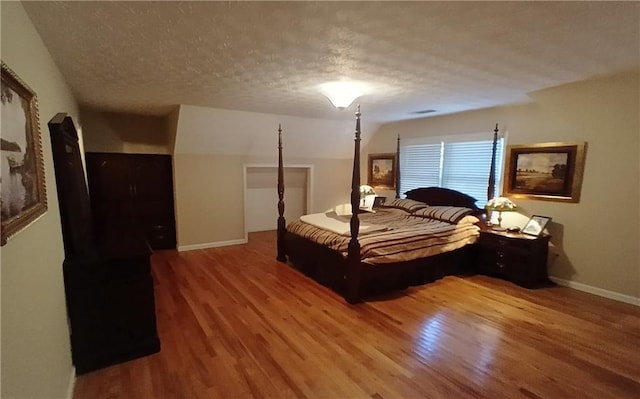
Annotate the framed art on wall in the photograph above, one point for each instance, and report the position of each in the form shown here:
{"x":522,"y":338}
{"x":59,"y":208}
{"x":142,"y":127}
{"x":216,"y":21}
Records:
{"x":382,"y":171}
{"x":23,"y":193}
{"x":546,"y":171}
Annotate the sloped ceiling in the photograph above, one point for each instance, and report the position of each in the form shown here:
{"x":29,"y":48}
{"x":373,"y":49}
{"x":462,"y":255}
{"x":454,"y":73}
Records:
{"x":269,"y":57}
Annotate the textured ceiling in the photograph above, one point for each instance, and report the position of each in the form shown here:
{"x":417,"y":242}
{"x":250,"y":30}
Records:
{"x":145,"y":57}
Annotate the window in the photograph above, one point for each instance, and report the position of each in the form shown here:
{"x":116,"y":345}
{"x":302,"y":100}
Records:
{"x":458,"y":163}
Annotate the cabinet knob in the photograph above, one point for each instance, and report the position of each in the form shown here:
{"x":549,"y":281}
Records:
{"x":500,"y":265}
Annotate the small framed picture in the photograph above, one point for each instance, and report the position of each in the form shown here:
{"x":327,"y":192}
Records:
{"x":378,"y":201}
{"x":535,"y":226}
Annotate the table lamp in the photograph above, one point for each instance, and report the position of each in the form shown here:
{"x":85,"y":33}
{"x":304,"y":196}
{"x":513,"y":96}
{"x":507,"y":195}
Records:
{"x":364,"y":192}
{"x":500,"y":204}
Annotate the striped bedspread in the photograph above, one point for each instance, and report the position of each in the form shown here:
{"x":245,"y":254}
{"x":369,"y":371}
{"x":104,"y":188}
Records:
{"x":408,"y":237}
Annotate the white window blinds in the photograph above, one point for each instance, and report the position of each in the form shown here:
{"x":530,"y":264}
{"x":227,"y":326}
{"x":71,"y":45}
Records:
{"x":458,"y":165}
{"x":420,"y":166}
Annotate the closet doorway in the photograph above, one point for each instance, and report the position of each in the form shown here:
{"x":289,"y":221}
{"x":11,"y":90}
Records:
{"x":261,"y":195}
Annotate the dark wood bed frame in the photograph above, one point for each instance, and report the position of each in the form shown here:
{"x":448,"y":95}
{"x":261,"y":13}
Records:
{"x":355,"y":279}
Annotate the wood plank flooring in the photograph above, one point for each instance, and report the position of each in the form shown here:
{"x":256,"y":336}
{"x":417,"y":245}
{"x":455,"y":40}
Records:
{"x":235,"y":323}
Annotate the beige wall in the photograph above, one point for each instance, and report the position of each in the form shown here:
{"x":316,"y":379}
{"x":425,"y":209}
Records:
{"x":203,"y":130}
{"x":210,"y":194}
{"x":125,"y":133}
{"x":597,"y":238}
{"x":208,"y":198}
{"x":212,"y":147}
{"x":36,"y":356}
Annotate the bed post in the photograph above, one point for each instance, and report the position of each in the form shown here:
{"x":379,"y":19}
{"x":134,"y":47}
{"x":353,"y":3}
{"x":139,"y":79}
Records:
{"x":282,"y":253}
{"x":397,"y":166}
{"x":491,"y":189}
{"x":353,"y":256}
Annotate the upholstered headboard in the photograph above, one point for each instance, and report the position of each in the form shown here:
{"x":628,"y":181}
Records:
{"x":435,"y":196}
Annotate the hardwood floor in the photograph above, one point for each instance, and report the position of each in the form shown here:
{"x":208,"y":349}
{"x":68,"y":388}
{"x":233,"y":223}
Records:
{"x":235,"y":323}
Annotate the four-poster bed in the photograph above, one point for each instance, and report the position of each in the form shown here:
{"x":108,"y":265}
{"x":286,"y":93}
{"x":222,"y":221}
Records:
{"x":410,"y":241}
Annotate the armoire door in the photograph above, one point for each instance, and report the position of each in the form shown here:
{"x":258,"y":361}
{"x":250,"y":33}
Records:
{"x":138,"y":186}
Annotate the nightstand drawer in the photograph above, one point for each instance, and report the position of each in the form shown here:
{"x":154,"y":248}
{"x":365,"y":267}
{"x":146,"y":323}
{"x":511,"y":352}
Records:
{"x":497,"y":242}
{"x":515,"y":257}
{"x":511,"y":252}
{"x":501,"y":263}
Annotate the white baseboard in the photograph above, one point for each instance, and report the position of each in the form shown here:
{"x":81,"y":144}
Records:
{"x":72,"y":383}
{"x":597,"y":291}
{"x":206,"y":245}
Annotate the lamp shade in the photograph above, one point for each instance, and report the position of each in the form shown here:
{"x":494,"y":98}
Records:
{"x":343,"y":93}
{"x":501,"y":204}
{"x":366,"y":190}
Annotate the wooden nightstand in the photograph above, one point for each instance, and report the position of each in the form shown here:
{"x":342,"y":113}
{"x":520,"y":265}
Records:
{"x":516,"y":257}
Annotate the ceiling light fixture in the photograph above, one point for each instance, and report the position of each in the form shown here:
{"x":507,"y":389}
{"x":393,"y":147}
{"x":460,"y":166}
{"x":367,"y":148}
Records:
{"x":343,"y":93}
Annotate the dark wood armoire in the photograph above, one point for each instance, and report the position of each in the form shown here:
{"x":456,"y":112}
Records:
{"x":134,"y":187}
{"x":107,"y":275}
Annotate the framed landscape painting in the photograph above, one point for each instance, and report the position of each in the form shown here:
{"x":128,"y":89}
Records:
{"x":546,"y":171}
{"x":22,"y":194}
{"x":382,"y":171}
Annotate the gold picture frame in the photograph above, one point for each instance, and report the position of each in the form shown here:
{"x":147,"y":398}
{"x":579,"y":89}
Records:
{"x":382,"y":171}
{"x":545,"y":171}
{"x":23,"y":195}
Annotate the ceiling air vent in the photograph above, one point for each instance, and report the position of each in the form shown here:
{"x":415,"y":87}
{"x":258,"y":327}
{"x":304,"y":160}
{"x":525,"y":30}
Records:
{"x":424,"y":111}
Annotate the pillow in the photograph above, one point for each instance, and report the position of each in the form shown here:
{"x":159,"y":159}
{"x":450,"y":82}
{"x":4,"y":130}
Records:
{"x":451,"y":214}
{"x":438,"y":196}
{"x":405,"y":204}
